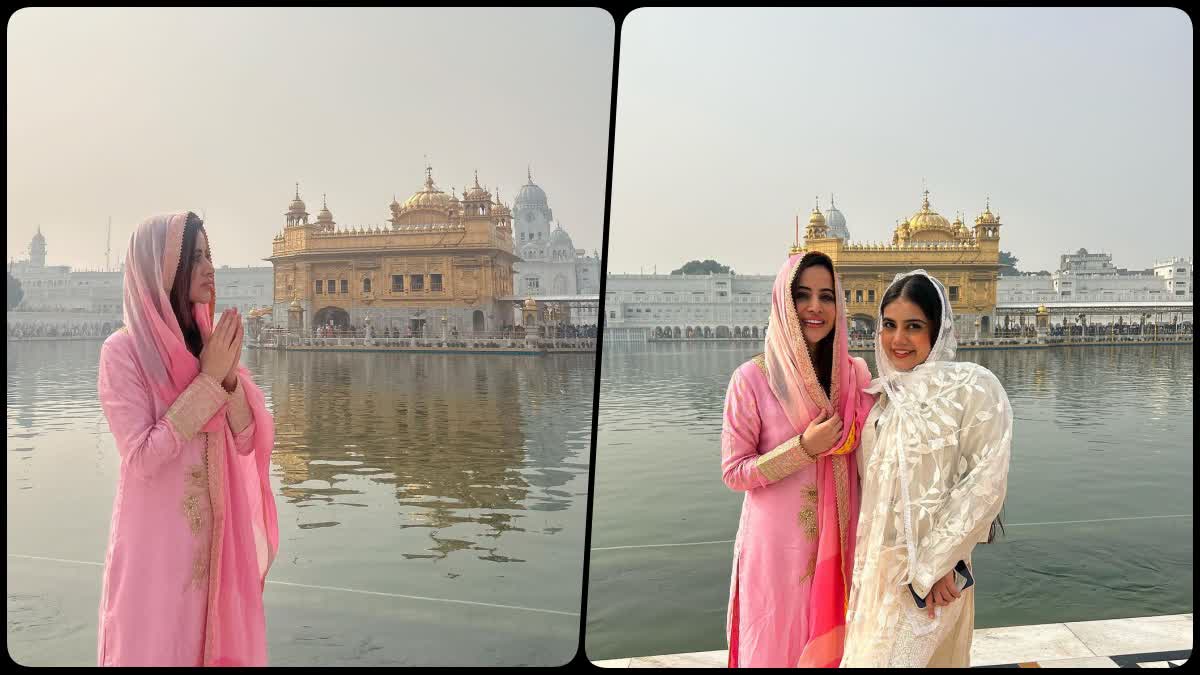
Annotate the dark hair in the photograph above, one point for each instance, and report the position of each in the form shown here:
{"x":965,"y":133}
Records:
{"x":996,"y":524}
{"x":919,"y":290}
{"x":822,"y":353}
{"x":181,"y":302}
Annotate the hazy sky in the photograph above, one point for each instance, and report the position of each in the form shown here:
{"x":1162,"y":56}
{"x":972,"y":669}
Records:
{"x":127,"y":113}
{"x":1078,"y":123}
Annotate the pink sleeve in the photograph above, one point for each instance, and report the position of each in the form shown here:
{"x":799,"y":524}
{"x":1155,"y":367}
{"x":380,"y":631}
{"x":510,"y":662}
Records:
{"x":146,"y":444}
{"x":742,"y":467}
{"x":739,"y":437}
{"x":864,"y":373}
{"x":241,"y":420}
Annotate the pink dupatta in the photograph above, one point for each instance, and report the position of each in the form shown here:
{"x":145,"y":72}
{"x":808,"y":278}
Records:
{"x":794,"y":382}
{"x":245,"y":534}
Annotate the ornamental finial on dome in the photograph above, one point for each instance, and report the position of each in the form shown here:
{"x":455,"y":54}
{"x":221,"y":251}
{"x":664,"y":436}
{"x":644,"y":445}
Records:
{"x":296,"y":209}
{"x":428,"y":176}
{"x":529,"y":173}
{"x":816,"y":215}
{"x":925,"y":200}
{"x":476,"y":178}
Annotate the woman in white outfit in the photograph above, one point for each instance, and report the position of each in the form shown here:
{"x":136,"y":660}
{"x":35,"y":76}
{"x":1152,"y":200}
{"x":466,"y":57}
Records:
{"x":934,"y":469}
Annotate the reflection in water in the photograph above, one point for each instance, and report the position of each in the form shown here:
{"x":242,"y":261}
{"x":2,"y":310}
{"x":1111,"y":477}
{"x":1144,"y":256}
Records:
{"x":1100,"y":432}
{"x":447,"y":435}
{"x":394,"y":473}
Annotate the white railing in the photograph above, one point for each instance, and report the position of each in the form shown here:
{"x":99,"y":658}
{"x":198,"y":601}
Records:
{"x":581,"y":344}
{"x":482,"y":341}
{"x":996,"y":341}
{"x":293,"y":340}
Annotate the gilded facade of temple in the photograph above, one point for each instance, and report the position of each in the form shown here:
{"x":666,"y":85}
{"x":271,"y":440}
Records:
{"x":966,"y":260}
{"x":440,"y":265}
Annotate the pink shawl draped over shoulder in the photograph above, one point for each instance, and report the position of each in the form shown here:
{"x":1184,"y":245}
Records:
{"x":794,"y":382}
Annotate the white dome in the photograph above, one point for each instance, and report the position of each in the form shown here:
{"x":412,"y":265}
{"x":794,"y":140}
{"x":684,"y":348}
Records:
{"x":836,"y":222}
{"x":531,"y":195}
{"x":560,"y":244}
{"x":560,"y":239}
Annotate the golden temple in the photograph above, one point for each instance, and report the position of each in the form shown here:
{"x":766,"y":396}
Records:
{"x":441,"y":264}
{"x":965,"y":259}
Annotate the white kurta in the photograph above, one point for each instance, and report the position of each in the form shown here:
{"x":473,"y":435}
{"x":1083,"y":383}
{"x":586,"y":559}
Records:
{"x":934,"y":467}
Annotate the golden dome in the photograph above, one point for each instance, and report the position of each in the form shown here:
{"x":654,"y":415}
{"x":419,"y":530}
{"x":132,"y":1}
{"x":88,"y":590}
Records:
{"x":477,"y":193}
{"x":816,"y":217}
{"x":325,"y":215}
{"x":297,"y":205}
{"x":429,"y":198}
{"x":986,"y":218}
{"x":498,"y":207}
{"x":928,"y":219}
{"x":960,"y":228}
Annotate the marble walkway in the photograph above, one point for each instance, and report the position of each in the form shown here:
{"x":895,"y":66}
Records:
{"x":1143,"y":642}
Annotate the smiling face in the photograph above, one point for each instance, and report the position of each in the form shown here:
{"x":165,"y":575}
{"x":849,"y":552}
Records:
{"x":816,"y":304}
{"x":202,"y":285}
{"x":906,"y":334}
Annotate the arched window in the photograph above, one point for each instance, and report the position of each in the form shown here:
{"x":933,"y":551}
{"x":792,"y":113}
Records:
{"x":367,"y":285}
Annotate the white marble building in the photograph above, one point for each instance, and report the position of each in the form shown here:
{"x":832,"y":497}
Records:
{"x":642,"y":306}
{"x":1091,"y":277}
{"x":245,"y":288}
{"x":50,"y":287}
{"x":1177,"y":272}
{"x":550,"y":264}
{"x":58,"y":288}
{"x":645,"y":306}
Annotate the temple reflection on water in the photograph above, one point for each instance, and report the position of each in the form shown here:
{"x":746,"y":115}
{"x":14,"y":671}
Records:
{"x":458,"y":440}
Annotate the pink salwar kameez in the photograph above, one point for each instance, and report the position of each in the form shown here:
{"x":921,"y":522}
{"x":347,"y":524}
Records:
{"x":794,"y":548}
{"x":194,"y":526}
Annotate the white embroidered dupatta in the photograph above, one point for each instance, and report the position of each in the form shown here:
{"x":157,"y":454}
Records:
{"x":935,"y":478}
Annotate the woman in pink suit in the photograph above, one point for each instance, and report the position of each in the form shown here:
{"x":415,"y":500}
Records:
{"x":793,"y":416}
{"x":194,"y":526}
